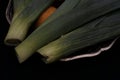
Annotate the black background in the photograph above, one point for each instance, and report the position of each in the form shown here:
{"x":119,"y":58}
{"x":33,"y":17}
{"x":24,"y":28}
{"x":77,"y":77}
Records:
{"x":104,"y":66}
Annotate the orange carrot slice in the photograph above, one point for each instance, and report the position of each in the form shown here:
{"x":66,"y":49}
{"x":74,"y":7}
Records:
{"x":45,"y":15}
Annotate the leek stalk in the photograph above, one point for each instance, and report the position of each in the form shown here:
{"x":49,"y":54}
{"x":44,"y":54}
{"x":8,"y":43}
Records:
{"x":97,"y":31}
{"x":64,"y":24}
{"x":22,"y":20}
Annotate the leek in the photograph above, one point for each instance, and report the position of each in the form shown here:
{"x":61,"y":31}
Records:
{"x":64,"y":24}
{"x":97,"y":31}
{"x":24,"y":18}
